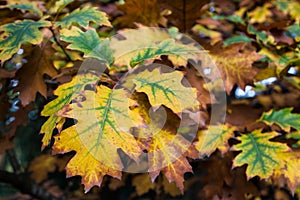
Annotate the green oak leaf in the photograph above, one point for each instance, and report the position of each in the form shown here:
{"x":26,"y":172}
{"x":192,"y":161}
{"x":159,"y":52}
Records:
{"x":164,"y":89}
{"x":30,"y":7}
{"x":89,"y":43}
{"x":260,"y":154}
{"x":237,"y":39}
{"x":83,"y":17}
{"x":166,"y":47}
{"x":20,"y":32}
{"x":261,"y":36}
{"x":284,"y":118}
{"x":233,"y":18}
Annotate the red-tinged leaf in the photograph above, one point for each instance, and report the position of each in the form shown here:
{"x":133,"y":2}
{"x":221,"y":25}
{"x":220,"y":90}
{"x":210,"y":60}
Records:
{"x":235,"y":64}
{"x":174,"y":171}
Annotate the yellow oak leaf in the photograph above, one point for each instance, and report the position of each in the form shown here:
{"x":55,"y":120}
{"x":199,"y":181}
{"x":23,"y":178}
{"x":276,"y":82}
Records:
{"x":65,"y":94}
{"x":99,"y":132}
{"x":215,"y":137}
{"x":131,"y":49}
{"x":84,"y":163}
{"x":260,"y":14}
{"x":142,"y":184}
{"x":42,"y":165}
{"x":291,"y":169}
{"x":125,"y":48}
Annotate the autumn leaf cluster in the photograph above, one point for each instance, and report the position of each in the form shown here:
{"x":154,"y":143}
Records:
{"x":165,"y":89}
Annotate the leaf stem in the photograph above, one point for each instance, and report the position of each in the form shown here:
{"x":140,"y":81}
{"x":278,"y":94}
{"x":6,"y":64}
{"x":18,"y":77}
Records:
{"x":60,"y":45}
{"x":14,"y":161}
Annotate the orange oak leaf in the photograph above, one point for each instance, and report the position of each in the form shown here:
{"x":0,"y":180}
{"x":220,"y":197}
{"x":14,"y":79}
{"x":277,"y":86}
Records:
{"x":167,"y":148}
{"x":175,"y":170}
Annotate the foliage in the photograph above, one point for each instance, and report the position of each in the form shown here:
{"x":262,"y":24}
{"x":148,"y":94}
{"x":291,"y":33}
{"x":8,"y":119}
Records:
{"x":115,"y":88}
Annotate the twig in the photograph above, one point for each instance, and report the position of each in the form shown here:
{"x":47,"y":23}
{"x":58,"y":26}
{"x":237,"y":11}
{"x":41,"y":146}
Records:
{"x":23,"y":183}
{"x":60,"y":45}
{"x":14,"y":161}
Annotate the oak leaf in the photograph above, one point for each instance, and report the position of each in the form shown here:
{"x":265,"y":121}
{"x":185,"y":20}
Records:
{"x":42,"y":165}
{"x":20,"y":32}
{"x":165,"y":154}
{"x":89,"y":43}
{"x":83,"y":17}
{"x":65,"y":93}
{"x":31,"y":75}
{"x":84,"y":163}
{"x":167,"y":148}
{"x":31,"y":7}
{"x":291,"y":169}
{"x":142,"y":184}
{"x":215,"y":137}
{"x":284,"y":118}
{"x":128,"y":42}
{"x":133,"y":49}
{"x":235,"y":64}
{"x":183,"y":13}
{"x":97,"y":139}
{"x":145,"y":12}
{"x":165,"y":89}
{"x":260,"y":14}
{"x":261,"y":155}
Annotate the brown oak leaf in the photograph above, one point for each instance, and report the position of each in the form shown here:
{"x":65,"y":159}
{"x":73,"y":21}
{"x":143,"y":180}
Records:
{"x":31,"y":75}
{"x":235,"y":64}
